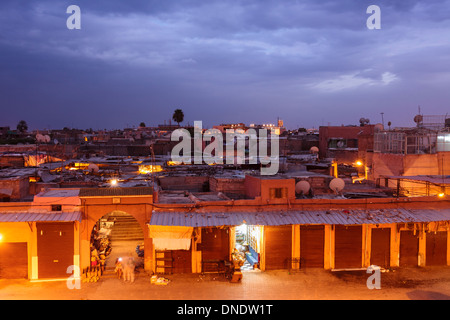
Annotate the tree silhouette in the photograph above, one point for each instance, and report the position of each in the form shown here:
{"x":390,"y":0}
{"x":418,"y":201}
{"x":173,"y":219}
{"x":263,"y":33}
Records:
{"x":178,"y":116}
{"x":22,"y":126}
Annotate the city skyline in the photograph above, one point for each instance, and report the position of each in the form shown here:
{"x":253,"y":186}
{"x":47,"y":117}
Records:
{"x":308,"y":64}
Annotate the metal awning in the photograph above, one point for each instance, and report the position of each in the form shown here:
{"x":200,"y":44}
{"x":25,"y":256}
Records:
{"x":40,"y":217}
{"x":273,"y":218}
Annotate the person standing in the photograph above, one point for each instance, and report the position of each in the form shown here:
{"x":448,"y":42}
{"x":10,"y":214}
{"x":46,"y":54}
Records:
{"x":128,"y":269}
{"x":119,"y":268}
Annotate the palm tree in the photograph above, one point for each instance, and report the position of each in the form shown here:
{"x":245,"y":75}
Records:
{"x":22,"y":126}
{"x":178,"y":116}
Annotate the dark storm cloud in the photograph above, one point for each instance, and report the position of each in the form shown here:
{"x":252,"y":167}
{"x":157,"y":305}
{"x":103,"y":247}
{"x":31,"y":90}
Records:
{"x":308,"y":62}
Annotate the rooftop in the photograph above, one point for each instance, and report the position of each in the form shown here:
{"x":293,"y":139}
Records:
{"x":115,"y":192}
{"x":60,"y":192}
{"x":275,"y":218}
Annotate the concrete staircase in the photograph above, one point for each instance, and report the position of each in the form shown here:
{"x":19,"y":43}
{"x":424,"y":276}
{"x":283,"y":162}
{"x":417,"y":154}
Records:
{"x":125,"y":228}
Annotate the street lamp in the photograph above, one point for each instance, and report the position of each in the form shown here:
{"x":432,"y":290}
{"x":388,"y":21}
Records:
{"x":334,"y":165}
{"x":360,"y":163}
{"x":113,"y":182}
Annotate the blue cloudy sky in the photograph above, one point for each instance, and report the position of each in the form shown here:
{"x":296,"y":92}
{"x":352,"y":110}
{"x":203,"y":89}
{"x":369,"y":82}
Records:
{"x":310,"y":63}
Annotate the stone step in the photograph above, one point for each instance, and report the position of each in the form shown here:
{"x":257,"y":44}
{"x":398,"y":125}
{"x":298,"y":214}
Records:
{"x":130,"y":227}
{"x":125,"y":238}
{"x":127,"y":233}
{"x":125,"y":228}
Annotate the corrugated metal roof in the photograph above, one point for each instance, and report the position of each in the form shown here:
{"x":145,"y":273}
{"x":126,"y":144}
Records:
{"x":40,"y":217}
{"x":115,"y":192}
{"x":272,"y":218}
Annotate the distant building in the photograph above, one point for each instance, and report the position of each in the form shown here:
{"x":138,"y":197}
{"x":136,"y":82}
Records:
{"x":272,"y":128}
{"x":412,"y":153}
{"x":346,"y":144}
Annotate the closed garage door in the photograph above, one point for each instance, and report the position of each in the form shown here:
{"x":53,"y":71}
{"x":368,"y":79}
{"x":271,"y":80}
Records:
{"x":348,"y":247}
{"x":381,"y":247}
{"x":436,"y":250}
{"x":13,"y":260}
{"x":312,"y":246}
{"x":278,"y":246}
{"x":409,"y":249}
{"x":55,"y":249}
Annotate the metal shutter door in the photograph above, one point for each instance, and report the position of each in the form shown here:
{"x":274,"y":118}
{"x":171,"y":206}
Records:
{"x":348,"y":247}
{"x":381,"y":247}
{"x":55,"y":246}
{"x":312,"y":246}
{"x":436,"y":249}
{"x":278,"y":246}
{"x":13,"y":260}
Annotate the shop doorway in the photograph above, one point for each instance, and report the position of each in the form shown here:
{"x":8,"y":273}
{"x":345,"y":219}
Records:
{"x":248,"y":243}
{"x":55,"y":248}
{"x":114,"y":236}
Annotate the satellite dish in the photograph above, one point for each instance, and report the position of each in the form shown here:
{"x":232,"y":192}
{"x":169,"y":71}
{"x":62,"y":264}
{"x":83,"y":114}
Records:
{"x":314,"y":150}
{"x":418,"y":119}
{"x":47,"y":138}
{"x":337,"y":184}
{"x":363,"y":121}
{"x":302,"y":187}
{"x":379,"y":127}
{"x":40,"y":138}
{"x":93,"y":168}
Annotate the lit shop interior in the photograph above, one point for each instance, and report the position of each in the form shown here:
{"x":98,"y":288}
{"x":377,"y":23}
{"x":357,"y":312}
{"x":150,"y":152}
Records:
{"x":248,"y":243}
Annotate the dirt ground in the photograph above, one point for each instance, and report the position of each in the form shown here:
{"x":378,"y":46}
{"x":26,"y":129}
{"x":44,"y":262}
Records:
{"x":313,"y":284}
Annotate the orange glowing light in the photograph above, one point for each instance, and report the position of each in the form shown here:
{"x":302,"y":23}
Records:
{"x":145,"y":169}
{"x":358,"y":163}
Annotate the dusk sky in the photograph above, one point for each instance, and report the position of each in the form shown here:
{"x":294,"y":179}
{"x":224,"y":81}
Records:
{"x":310,"y":63}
